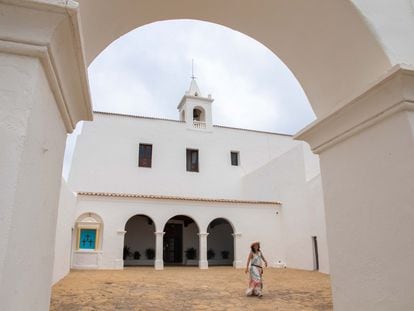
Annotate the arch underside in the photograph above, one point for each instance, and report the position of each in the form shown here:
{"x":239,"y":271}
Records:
{"x":326,"y":44}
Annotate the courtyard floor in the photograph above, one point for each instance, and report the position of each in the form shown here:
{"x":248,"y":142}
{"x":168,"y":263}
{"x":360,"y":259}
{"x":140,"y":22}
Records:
{"x":184,"y":288}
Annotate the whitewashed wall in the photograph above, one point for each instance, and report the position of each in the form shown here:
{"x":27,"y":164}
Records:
{"x":65,"y":223}
{"x":107,"y":153}
{"x":32,"y":135}
{"x":318,"y":220}
{"x":272,"y":167}
{"x":302,"y":212}
{"x":116,"y":211}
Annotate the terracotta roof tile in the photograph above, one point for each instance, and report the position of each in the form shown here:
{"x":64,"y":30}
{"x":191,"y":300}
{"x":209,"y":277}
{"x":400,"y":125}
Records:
{"x":178,"y":198}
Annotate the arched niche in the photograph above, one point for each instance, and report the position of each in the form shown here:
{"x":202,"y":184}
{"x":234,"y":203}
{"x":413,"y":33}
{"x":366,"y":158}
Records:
{"x":89,"y":231}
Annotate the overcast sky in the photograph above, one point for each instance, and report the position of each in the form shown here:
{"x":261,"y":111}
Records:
{"x":146,"y":72}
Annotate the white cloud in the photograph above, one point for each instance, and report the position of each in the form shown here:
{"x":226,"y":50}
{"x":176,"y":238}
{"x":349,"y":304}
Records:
{"x":147,"y":71}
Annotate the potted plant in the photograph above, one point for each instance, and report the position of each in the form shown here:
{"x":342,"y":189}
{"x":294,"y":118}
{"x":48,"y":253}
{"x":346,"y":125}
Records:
{"x":150,"y":253}
{"x":191,"y":253}
{"x":126,"y":253}
{"x":225,"y":254}
{"x":137,"y":255}
{"x":210,"y":254}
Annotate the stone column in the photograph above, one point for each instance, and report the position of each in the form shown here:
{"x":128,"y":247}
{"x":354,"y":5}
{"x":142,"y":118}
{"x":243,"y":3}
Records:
{"x":159,"y":251}
{"x":203,"y":262}
{"x":237,"y":261}
{"x":43,"y":94}
{"x":119,"y":262}
{"x":366,"y":151}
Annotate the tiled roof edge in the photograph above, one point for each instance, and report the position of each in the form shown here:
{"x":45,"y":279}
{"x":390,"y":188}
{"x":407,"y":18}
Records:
{"x":135,"y":116}
{"x":177,"y":198}
{"x":250,"y":130}
{"x":178,"y":121}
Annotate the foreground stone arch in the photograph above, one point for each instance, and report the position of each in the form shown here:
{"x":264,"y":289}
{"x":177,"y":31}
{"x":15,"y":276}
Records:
{"x":326,"y":44}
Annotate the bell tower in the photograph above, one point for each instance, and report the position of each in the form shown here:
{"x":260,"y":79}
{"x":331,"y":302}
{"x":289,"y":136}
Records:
{"x":195,"y":109}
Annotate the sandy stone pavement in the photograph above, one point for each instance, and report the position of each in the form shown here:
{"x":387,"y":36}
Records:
{"x":185,"y":288}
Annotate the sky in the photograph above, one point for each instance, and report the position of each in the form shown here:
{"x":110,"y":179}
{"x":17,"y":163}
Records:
{"x":147,"y":71}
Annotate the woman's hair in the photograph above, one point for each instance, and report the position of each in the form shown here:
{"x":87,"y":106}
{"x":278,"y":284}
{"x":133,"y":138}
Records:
{"x":252,"y":248}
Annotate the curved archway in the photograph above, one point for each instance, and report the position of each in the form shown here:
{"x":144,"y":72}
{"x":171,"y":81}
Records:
{"x":139,"y":241}
{"x":220,"y":242}
{"x":181,"y":243}
{"x":89,"y":232}
{"x":199,"y":114}
{"x":87,"y":241}
{"x":338,"y":48}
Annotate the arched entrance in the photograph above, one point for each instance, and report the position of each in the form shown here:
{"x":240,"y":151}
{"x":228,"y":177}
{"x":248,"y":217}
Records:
{"x":180,"y":244}
{"x":139,"y":241}
{"x":220,"y":243}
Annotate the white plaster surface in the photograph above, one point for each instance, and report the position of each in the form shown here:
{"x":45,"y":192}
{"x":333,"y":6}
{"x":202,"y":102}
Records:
{"x":372,"y":254}
{"x":272,"y":168}
{"x":299,"y":217}
{"x":366,"y":151}
{"x":34,"y":138}
{"x":64,"y":227}
{"x":107,"y":152}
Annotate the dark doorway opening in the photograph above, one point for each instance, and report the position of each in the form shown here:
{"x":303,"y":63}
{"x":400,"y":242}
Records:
{"x":180,"y":241}
{"x":173,"y":243}
{"x":315,"y":253}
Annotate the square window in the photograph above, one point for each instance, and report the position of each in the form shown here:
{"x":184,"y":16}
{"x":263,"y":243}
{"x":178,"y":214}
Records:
{"x":87,"y":239}
{"x":235,"y":158}
{"x":192,"y":160}
{"x":145,"y":155}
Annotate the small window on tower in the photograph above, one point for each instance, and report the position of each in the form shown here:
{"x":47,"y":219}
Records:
{"x":192,"y":160}
{"x":145,"y":155}
{"x":235,"y":159}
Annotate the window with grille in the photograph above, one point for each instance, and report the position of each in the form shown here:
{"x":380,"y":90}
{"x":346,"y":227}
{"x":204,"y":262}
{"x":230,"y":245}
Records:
{"x":234,"y":155}
{"x":192,"y":160}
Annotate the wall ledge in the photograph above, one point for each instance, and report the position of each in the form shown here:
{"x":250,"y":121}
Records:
{"x":50,"y":31}
{"x":392,"y":93}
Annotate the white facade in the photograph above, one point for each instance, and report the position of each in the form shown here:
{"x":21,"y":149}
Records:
{"x":272,"y":167}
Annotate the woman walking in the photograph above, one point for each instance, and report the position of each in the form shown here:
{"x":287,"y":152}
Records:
{"x":256,"y":270}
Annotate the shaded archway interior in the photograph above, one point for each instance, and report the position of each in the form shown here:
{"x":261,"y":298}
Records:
{"x":326,"y":44}
{"x":220,"y":243}
{"x":180,"y":242}
{"x":139,"y":241}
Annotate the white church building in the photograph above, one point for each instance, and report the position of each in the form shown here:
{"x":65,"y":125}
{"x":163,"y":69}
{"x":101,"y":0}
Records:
{"x":355,"y":62}
{"x":150,"y":191}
